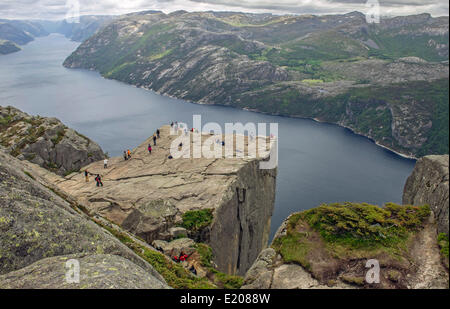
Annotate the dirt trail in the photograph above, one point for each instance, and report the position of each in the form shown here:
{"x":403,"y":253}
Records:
{"x":431,"y":274}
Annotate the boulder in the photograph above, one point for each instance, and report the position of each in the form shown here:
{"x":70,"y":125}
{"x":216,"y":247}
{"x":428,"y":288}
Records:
{"x":175,"y":247}
{"x":176,"y":232}
{"x":46,"y":142}
{"x":97,"y":271}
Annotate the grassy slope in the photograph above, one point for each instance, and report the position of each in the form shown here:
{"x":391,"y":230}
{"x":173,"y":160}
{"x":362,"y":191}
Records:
{"x":341,"y":233}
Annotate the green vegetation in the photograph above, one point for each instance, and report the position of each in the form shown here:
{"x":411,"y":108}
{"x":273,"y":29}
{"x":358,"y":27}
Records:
{"x":5,"y":121}
{"x":443,"y":244}
{"x":294,"y":247}
{"x":350,"y":230}
{"x":354,"y":280}
{"x":175,"y":275}
{"x":195,"y":220}
{"x":398,"y":46}
{"x":363,"y":225}
{"x":59,"y":136}
{"x":370,"y":109}
{"x":221,"y":279}
{"x":29,"y":175}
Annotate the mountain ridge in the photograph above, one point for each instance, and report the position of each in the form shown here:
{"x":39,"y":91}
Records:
{"x":304,"y":66}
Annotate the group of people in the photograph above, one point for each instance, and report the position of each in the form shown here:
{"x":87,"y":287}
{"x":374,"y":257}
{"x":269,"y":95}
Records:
{"x":181,"y":258}
{"x":127,"y":154}
{"x":98,"y":178}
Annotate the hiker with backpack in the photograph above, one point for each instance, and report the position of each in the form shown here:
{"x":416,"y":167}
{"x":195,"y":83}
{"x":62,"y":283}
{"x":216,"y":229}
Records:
{"x":98,"y":179}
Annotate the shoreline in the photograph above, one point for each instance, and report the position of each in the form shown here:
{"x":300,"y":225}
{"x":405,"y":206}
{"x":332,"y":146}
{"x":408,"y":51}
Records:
{"x":405,"y":156}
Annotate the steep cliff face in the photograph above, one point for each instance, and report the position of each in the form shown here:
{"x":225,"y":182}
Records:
{"x":40,"y":231}
{"x":429,"y":184}
{"x":243,"y":219}
{"x":46,"y":142}
{"x":150,"y":193}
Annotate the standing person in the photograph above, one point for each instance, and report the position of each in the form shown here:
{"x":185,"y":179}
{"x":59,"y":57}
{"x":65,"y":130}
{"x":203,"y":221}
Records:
{"x":98,"y":179}
{"x":149,"y":149}
{"x":158,"y":133}
{"x":129,"y":154}
{"x":105,"y":163}
{"x":154,"y":140}
{"x":171,"y":125}
{"x":86,"y":175}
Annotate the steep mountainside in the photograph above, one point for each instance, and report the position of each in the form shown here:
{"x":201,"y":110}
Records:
{"x":332,"y":68}
{"x":79,"y":31}
{"x":22,"y":32}
{"x":40,"y":232}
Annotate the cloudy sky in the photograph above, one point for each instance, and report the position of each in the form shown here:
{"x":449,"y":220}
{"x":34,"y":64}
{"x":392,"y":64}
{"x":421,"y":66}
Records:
{"x":57,"y":9}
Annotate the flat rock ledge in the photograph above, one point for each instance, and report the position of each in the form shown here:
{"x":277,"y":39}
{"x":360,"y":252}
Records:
{"x":148,"y":194}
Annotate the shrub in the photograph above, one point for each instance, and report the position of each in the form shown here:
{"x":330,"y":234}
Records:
{"x":196,"y":220}
{"x":443,"y":244}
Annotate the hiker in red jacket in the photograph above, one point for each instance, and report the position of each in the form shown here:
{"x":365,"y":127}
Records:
{"x":149,"y":149}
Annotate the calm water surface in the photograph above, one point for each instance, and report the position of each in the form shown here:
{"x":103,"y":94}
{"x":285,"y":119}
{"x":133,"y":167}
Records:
{"x":318,"y":163}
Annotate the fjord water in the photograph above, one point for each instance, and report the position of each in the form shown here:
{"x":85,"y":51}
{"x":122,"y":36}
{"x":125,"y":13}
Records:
{"x":318,"y":163}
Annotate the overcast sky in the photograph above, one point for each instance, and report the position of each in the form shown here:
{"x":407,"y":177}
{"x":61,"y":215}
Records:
{"x":57,"y":9}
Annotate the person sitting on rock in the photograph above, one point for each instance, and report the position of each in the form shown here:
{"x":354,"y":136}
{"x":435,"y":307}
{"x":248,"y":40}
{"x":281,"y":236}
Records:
{"x":183,"y":257}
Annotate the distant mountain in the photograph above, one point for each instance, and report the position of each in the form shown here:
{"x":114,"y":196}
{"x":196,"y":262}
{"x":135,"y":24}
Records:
{"x":8,"y":47}
{"x":22,"y":32}
{"x":12,"y":32}
{"x":388,"y":81}
{"x":87,"y":26}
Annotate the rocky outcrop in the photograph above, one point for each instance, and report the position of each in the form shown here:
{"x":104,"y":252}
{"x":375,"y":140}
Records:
{"x":8,"y":47}
{"x":305,"y":255}
{"x":97,"y":271}
{"x":39,"y":231}
{"x":269,"y":272}
{"x":429,"y":184}
{"x":149,"y":194}
{"x":46,"y":142}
